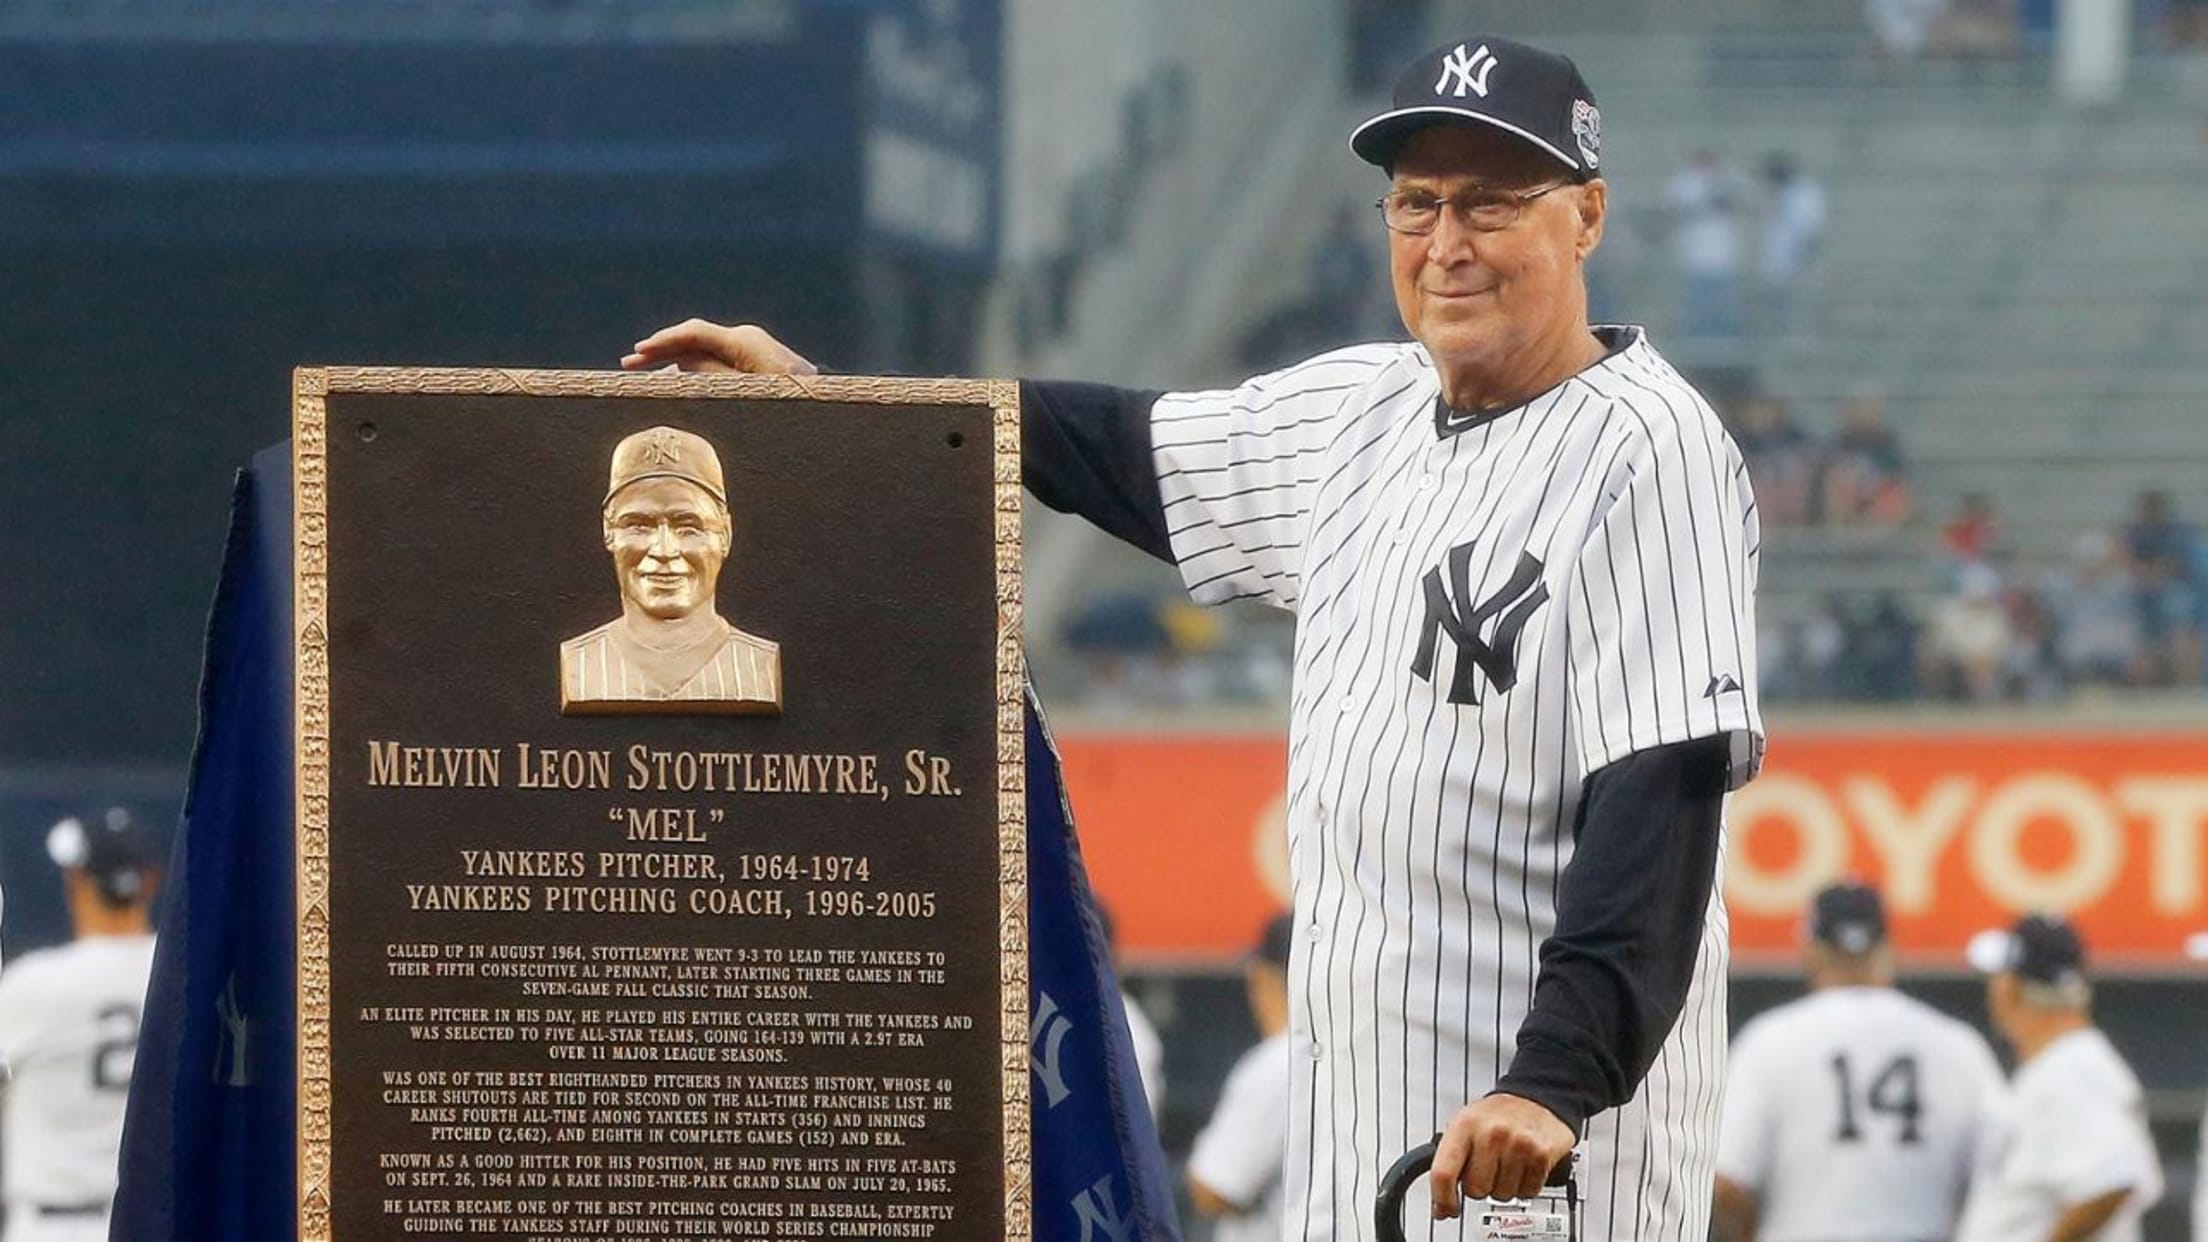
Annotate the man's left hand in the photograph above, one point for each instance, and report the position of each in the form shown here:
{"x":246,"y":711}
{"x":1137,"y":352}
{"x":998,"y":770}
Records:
{"x":1500,"y":1147}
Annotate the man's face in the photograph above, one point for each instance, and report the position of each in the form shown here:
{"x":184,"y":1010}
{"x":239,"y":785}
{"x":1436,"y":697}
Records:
{"x":668,"y":538}
{"x":1474,"y":298}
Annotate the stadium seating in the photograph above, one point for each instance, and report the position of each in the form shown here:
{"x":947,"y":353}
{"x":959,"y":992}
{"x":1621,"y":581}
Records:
{"x":2012,"y":272}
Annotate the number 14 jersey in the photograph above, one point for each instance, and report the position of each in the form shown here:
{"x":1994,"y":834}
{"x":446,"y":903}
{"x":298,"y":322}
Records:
{"x":1856,"y":1112}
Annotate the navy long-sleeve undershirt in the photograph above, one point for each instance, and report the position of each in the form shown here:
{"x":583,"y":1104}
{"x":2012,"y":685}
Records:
{"x":1085,"y":449}
{"x":1614,"y":975}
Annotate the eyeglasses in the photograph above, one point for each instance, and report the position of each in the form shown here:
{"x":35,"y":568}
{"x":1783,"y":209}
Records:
{"x":1483,"y":209}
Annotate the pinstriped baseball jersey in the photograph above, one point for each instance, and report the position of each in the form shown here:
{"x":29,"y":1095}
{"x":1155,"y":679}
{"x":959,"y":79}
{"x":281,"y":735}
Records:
{"x":743,"y":674}
{"x":1489,"y":609}
{"x":69,"y":1019}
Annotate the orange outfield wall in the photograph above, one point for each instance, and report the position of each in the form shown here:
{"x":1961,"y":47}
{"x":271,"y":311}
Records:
{"x":1961,"y":830}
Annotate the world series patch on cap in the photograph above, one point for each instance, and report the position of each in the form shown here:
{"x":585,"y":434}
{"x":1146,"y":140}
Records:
{"x":1489,"y":80}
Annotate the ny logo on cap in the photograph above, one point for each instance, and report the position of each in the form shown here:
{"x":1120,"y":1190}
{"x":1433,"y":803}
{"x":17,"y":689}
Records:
{"x":1468,"y":70}
{"x":664,"y":448}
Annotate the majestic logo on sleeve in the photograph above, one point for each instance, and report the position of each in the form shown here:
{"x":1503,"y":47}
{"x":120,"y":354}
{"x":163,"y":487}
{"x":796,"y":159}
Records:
{"x":1468,"y":70}
{"x":1514,"y":604}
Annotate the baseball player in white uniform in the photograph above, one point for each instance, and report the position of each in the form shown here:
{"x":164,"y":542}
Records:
{"x":69,"y":1020}
{"x":2070,"y":1156}
{"x":1234,"y":1170}
{"x":1855,"y":1112}
{"x":1521,"y":553}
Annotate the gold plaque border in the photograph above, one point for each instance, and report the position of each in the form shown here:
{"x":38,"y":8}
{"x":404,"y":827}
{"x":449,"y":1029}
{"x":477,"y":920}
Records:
{"x":311,"y":701}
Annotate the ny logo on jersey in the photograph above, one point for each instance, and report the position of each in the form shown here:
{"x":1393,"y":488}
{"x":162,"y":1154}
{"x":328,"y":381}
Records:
{"x":1515,"y":603}
{"x":1468,"y":70}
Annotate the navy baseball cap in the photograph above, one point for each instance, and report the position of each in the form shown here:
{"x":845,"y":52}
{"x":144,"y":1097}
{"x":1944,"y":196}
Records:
{"x":112,"y":848}
{"x":1489,"y":80}
{"x":1850,"y":916}
{"x":2041,"y":948}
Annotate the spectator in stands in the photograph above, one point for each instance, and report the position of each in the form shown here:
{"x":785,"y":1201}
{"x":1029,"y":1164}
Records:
{"x":1823,"y":644}
{"x":1973,"y":535}
{"x":1907,"y":30}
{"x":2185,"y":27}
{"x":2096,"y":623}
{"x":2161,"y":554}
{"x":1862,"y":482}
{"x":1793,"y":240}
{"x":1978,"y":30}
{"x":1782,"y":463}
{"x":1969,"y":639}
{"x":1880,"y":661}
{"x":1778,"y":660}
{"x":2033,"y":671}
{"x":1706,"y":200}
{"x":1902,"y":29}
{"x":1802,"y":656}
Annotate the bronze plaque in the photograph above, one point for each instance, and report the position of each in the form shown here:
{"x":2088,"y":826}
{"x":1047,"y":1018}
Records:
{"x":660,"y":807}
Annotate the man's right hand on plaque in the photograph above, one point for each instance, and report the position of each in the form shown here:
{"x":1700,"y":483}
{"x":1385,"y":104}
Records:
{"x":700,"y":345}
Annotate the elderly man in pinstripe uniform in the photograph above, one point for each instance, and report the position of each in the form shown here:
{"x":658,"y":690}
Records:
{"x":1522,"y":556}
